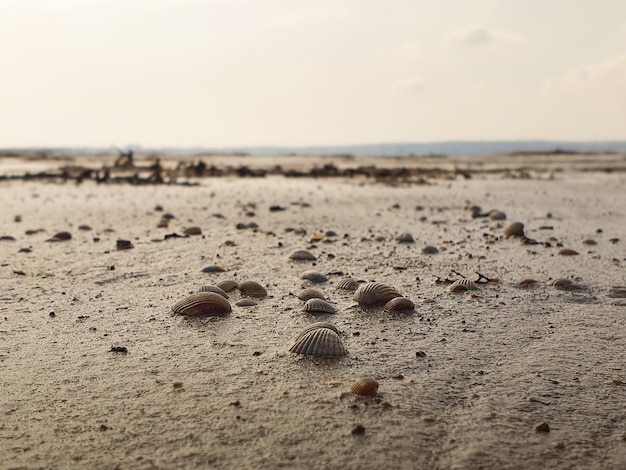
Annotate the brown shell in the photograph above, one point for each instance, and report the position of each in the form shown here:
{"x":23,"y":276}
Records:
{"x":400,"y":304}
{"x":348,"y":284}
{"x":245,"y":303}
{"x":516,"y":229}
{"x":302,"y":255}
{"x":228,"y":285}
{"x":203,"y":304}
{"x":589,"y":241}
{"x":318,"y":306}
{"x":192,"y":231}
{"x":430,"y":250}
{"x":405,"y":238}
{"x":307,"y":294}
{"x":314,"y":276}
{"x":497,"y":215}
{"x":213,"y":269}
{"x":365,"y":386}
{"x":375,"y":293}
{"x":526,"y":282}
{"x":319,"y":342}
{"x":462,"y":285}
{"x":316,"y":326}
{"x":252,"y":288}
{"x":560,"y":282}
{"x":60,"y":237}
{"x":567,"y":252}
{"x":214,"y":289}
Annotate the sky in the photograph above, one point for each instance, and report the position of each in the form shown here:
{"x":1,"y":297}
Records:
{"x":219,"y":73}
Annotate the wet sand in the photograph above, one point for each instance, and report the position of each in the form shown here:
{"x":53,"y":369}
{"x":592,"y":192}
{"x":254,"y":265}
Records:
{"x":493,"y":364}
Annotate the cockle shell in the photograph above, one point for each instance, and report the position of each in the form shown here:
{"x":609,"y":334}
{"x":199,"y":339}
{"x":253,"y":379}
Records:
{"x":348,"y":284}
{"x":316,"y":326}
{"x":318,"y":306}
{"x":589,"y":241}
{"x":307,"y":294}
{"x":526,"y":283}
{"x":516,"y":229}
{"x":400,"y":304}
{"x":60,"y":237}
{"x":462,"y":285}
{"x":375,"y":293}
{"x":497,"y":215}
{"x":567,"y":252}
{"x":213,"y":269}
{"x":319,"y":342}
{"x":192,"y":231}
{"x":405,"y":238}
{"x":365,"y":386}
{"x":560,"y":282}
{"x":252,"y":288}
{"x":228,"y":285}
{"x":203,"y":304}
{"x":314,"y":276}
{"x":430,"y":250}
{"x":302,"y":255}
{"x":214,"y":289}
{"x":245,"y":303}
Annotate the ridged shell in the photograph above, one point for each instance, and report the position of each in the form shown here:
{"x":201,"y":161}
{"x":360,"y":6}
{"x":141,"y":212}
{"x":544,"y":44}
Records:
{"x":497,"y":215}
{"x":203,"y":304}
{"x":316,"y":326}
{"x":400,"y":304}
{"x":348,"y":284}
{"x":318,"y":306}
{"x":567,"y":252}
{"x":405,"y":238}
{"x":192,"y":231}
{"x":589,"y":241}
{"x":228,"y":285}
{"x":215,"y":289}
{"x":375,"y":293}
{"x":430,"y":250}
{"x":302,"y":255}
{"x":307,"y":294}
{"x":526,"y":282}
{"x":516,"y":229}
{"x":560,"y":282}
{"x":252,"y":288}
{"x":60,"y":237}
{"x":462,"y":285}
{"x":319,"y":342}
{"x":365,"y":386}
{"x":314,"y":276}
{"x":245,"y":303}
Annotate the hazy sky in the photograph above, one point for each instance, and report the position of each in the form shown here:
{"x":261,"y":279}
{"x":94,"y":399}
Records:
{"x":303,"y":72}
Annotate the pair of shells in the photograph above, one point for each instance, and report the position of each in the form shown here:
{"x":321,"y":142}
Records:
{"x":319,"y":339}
{"x":375,"y":293}
{"x":463,"y":285}
{"x":203,"y":304}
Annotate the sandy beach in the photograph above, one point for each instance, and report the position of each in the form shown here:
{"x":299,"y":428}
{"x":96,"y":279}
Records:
{"x":98,"y":373}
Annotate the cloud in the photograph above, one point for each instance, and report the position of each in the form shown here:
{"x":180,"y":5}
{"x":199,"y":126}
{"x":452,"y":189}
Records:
{"x":479,"y":36}
{"x":609,"y":75}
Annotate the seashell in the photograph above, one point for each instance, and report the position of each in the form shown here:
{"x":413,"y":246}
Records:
{"x":84,"y":227}
{"x":430,"y":250}
{"x":365,"y":386}
{"x":307,"y":294}
{"x":252,"y":288}
{"x":245,"y":303}
{"x":589,"y":241}
{"x":168,"y":216}
{"x":302,"y":255}
{"x":375,"y":293}
{"x":348,"y":284}
{"x":60,"y":237}
{"x":462,"y":285}
{"x":214,"y":289}
{"x":526,"y":283}
{"x":319,"y":342}
{"x":400,"y":304}
{"x":314,"y":276}
{"x":192,"y":231}
{"x":560,"y":282}
{"x":516,"y":229}
{"x":405,"y":238}
{"x":213,"y":269}
{"x":124,"y":245}
{"x":497,"y":215}
{"x":318,"y":306}
{"x":228,"y":285}
{"x":163,"y":223}
{"x":315,"y":326}
{"x":203,"y":304}
{"x":567,"y":252}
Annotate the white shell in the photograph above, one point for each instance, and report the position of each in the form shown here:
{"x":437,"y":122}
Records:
{"x":375,"y":293}
{"x":203,"y":304}
{"x":318,"y":306}
{"x":319,"y":342}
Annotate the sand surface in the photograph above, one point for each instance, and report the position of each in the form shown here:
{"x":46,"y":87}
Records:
{"x":227,"y":393}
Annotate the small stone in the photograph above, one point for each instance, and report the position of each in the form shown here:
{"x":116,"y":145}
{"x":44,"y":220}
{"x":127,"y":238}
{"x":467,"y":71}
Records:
{"x":124,"y":245}
{"x":542,"y":427}
{"x":177,"y":385}
{"x":358,"y":430}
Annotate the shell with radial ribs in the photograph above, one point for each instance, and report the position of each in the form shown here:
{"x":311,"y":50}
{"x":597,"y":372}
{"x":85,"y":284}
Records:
{"x":319,"y":342}
{"x":307,"y":294}
{"x":203,"y":304}
{"x":316,"y":326}
{"x":252,"y":288}
{"x":228,"y":285}
{"x":302,"y":255}
{"x":365,"y":386}
{"x":462,"y":285}
{"x":400,"y":304}
{"x":318,"y":306}
{"x":516,"y":229}
{"x":527,"y":282}
{"x":314,"y":276}
{"x":561,"y":282}
{"x":214,"y":289}
{"x":375,"y":293}
{"x":348,"y":284}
